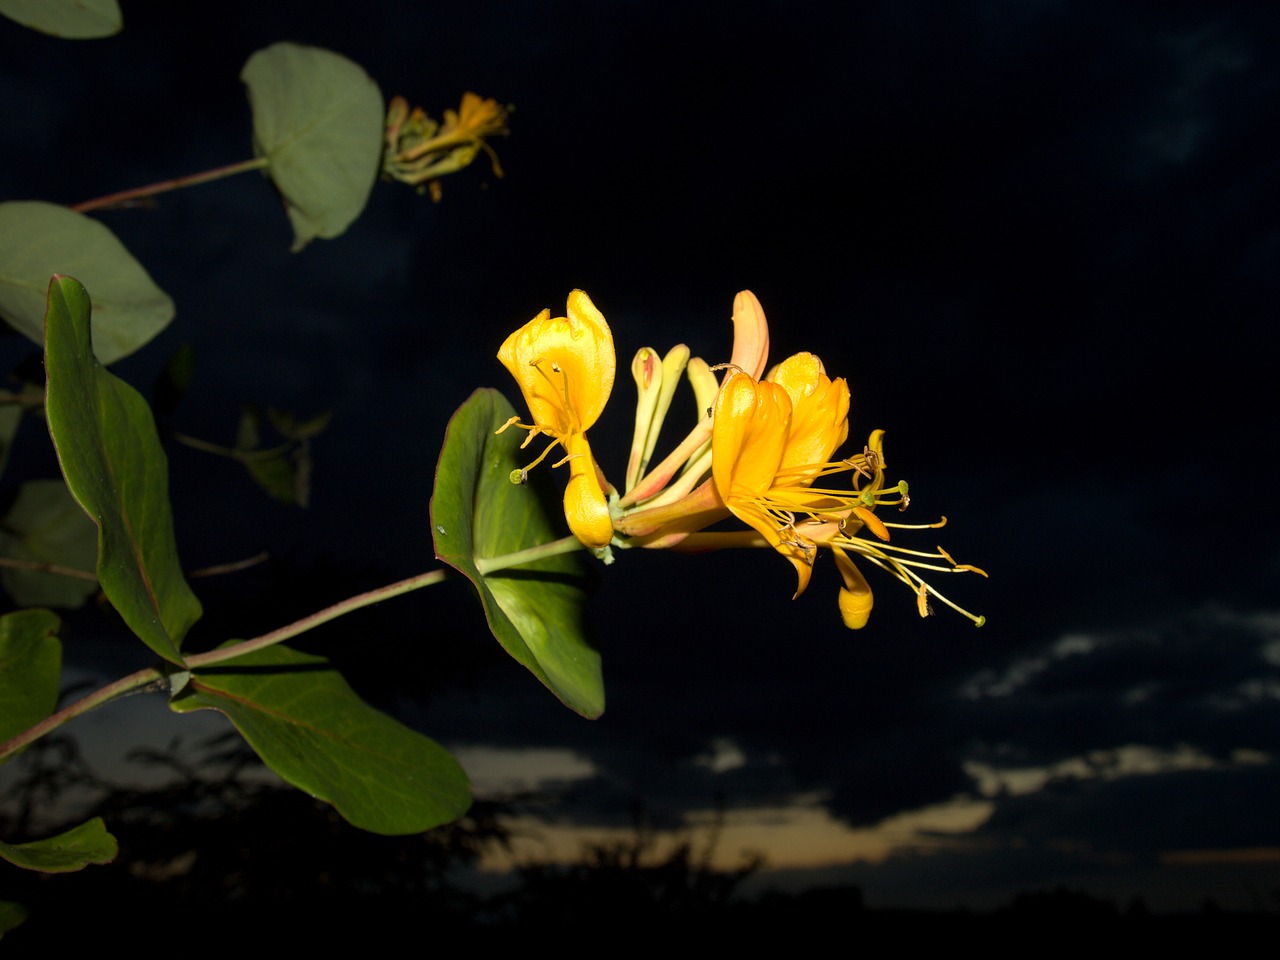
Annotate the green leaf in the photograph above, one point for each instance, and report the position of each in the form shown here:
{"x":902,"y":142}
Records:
{"x":117,"y":471}
{"x":283,"y":471}
{"x":38,"y":240}
{"x":69,"y":19}
{"x":535,"y":610}
{"x":318,"y":119}
{"x":67,"y":852}
{"x":30,"y":665}
{"x":309,"y":726}
{"x":46,"y":525}
{"x":11,"y":915}
{"x":10,"y":417}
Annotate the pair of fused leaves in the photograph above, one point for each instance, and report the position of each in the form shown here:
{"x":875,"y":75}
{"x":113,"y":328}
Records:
{"x":294,"y":709}
{"x":317,"y":127}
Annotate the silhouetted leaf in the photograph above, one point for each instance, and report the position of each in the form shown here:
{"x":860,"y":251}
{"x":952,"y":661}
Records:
{"x":318,"y":119}
{"x":69,"y":19}
{"x":115,"y":468}
{"x":309,"y":726}
{"x":39,"y":239}
{"x":535,"y":610}
{"x":67,"y":852}
{"x":30,"y":666}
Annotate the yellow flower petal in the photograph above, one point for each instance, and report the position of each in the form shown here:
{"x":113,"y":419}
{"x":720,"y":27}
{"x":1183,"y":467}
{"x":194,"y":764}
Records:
{"x":585,"y":506}
{"x":564,"y":366}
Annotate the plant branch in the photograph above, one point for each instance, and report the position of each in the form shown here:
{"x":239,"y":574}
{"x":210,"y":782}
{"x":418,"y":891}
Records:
{"x":133,"y":683}
{"x":155,"y":675}
{"x":127,"y":197}
{"x":41,"y":567}
{"x":314,"y":620}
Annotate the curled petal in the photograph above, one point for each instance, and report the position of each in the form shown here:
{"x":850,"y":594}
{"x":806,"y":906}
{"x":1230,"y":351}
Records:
{"x":585,"y":506}
{"x":750,"y":335}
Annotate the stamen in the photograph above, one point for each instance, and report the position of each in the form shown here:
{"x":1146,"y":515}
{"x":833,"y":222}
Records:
{"x":922,"y":600}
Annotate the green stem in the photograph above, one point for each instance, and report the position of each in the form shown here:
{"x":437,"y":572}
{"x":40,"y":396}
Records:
{"x":154,"y":675}
{"x":488,"y":565}
{"x":314,"y":620}
{"x":164,"y":186}
{"x":112,"y":691}
{"x":243,"y":456}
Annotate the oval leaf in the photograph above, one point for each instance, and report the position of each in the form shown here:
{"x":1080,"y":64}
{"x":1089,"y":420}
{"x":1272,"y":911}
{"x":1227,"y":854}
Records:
{"x":39,"y":239}
{"x":46,"y":525}
{"x":318,"y":119}
{"x":116,"y":469}
{"x":30,"y":665}
{"x":67,"y":852}
{"x":535,"y":610}
{"x":69,"y":19}
{"x":309,"y":726}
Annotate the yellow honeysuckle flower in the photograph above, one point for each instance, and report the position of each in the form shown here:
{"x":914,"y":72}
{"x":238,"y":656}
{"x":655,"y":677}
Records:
{"x":772,"y":441}
{"x":761,"y":451}
{"x":565,"y":368}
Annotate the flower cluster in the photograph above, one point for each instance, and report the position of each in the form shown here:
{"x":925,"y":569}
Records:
{"x":419,"y":151}
{"x":766,"y":454}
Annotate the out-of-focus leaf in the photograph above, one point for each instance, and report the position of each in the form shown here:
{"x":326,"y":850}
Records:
{"x":10,"y":417}
{"x":67,"y":852}
{"x":69,"y":19}
{"x":45,"y":524}
{"x":283,"y":471}
{"x":318,"y":119}
{"x":288,"y":425}
{"x":309,"y":726}
{"x":30,"y":665}
{"x":11,"y":915}
{"x":535,"y":610}
{"x":116,"y":469}
{"x":174,"y":380}
{"x":39,"y":239}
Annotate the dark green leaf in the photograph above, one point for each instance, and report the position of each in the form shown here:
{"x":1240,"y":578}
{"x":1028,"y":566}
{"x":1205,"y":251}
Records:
{"x":277,"y":476}
{"x":38,"y":240}
{"x":114,"y":465}
{"x":69,"y":19}
{"x":11,"y":915}
{"x":309,"y":726}
{"x":46,"y":525}
{"x":174,"y":380}
{"x":535,"y":610}
{"x":10,"y":417}
{"x":30,"y":665}
{"x":318,"y":119}
{"x":67,"y":852}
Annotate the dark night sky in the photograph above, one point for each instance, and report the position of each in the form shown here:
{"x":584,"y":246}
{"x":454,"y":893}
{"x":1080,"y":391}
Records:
{"x":1038,"y":238}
